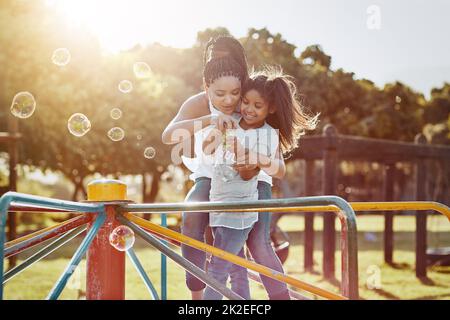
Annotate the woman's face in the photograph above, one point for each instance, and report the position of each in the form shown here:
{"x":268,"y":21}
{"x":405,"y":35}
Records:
{"x":225,"y":93}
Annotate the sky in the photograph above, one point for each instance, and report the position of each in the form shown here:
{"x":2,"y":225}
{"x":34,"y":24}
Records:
{"x":383,"y":40}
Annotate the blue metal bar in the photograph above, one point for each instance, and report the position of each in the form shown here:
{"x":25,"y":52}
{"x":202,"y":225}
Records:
{"x":164,"y":263}
{"x":4,"y":205}
{"x":9,"y":197}
{"x":257,"y":205}
{"x":134,"y":259}
{"x":76,"y":258}
{"x":49,"y":203}
{"x":54,"y":245}
{"x":183,"y":262}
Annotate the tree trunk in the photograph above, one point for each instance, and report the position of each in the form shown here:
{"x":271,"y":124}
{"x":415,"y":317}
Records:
{"x":150,"y":197}
{"x":78,"y":187}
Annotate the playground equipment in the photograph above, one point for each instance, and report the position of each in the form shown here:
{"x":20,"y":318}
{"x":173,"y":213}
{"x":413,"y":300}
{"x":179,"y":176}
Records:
{"x":330,"y":148}
{"x":11,"y":139}
{"x":107,"y":208}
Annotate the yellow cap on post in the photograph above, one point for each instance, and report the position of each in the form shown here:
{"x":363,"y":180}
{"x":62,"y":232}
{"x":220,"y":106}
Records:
{"x":106,"y":190}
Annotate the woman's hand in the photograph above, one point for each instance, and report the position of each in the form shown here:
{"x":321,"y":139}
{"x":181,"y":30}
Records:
{"x":223,"y":122}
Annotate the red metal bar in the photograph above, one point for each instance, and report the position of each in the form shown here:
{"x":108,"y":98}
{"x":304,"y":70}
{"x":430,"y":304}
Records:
{"x":28,"y":208}
{"x":37,"y":237}
{"x":105,"y":276}
{"x":6,"y":137}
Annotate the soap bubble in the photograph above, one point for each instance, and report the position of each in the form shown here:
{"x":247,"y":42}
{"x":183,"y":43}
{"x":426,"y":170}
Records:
{"x":78,"y":124}
{"x":116,"y":134}
{"x":61,"y":57}
{"x":122,"y":238}
{"x":142,"y":70}
{"x":23,"y":105}
{"x":149,"y":152}
{"x":125,"y":86}
{"x":116,"y":113}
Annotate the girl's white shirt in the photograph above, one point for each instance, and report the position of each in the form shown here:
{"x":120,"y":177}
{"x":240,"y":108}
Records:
{"x":202,"y":165}
{"x":226,"y":183}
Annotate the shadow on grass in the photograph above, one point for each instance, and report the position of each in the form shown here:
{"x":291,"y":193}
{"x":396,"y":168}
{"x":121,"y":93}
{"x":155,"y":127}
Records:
{"x":399,"y":266}
{"x":333,"y":281}
{"x":386,"y":294}
{"x":438,"y":269}
{"x":439,"y":296}
{"x":427,"y":281}
{"x":305,"y":271}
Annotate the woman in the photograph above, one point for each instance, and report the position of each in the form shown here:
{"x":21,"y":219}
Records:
{"x":224,"y":56}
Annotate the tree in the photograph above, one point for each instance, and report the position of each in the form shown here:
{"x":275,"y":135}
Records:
{"x":317,"y":56}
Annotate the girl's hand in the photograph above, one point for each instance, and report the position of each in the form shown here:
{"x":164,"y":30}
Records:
{"x":248,"y":174}
{"x":241,"y":167}
{"x":223,"y":122}
{"x":246,"y":170}
{"x":234,"y":146}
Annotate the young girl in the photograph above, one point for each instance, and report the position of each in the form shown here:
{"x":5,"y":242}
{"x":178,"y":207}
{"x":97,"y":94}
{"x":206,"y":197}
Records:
{"x":269,"y":102}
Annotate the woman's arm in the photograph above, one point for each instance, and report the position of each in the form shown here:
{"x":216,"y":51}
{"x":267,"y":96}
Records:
{"x":193,"y":115}
{"x":212,"y":141}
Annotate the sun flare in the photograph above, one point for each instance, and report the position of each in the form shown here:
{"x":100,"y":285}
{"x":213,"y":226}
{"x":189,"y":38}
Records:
{"x":121,"y":24}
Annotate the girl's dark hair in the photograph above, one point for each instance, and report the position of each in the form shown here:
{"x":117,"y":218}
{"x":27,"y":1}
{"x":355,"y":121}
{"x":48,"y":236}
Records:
{"x":279,"y":91}
{"x":224,"y":55}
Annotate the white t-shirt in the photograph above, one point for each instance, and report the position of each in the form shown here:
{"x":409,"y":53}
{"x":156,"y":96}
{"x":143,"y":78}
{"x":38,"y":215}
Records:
{"x":226,"y":183}
{"x":201,"y":166}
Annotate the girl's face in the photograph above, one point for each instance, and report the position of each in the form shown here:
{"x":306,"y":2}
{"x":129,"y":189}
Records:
{"x":254,"y":109}
{"x":225,"y":93}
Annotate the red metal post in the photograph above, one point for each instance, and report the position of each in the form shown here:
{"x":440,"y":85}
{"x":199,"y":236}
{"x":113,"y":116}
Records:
{"x":105,"y":277}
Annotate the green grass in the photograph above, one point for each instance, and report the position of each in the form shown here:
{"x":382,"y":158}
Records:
{"x":397,"y":282}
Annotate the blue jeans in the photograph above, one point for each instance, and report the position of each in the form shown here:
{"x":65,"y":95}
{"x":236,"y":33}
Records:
{"x":258,"y":243}
{"x":232,"y":241}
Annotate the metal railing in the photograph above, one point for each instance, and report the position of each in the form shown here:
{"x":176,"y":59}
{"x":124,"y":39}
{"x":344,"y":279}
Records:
{"x":93,"y":216}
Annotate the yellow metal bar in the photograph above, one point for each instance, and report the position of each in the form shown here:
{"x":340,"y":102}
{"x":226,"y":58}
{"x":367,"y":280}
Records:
{"x":402,"y":205}
{"x":31,"y":235}
{"x":232,"y":258}
{"x":361,"y":206}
